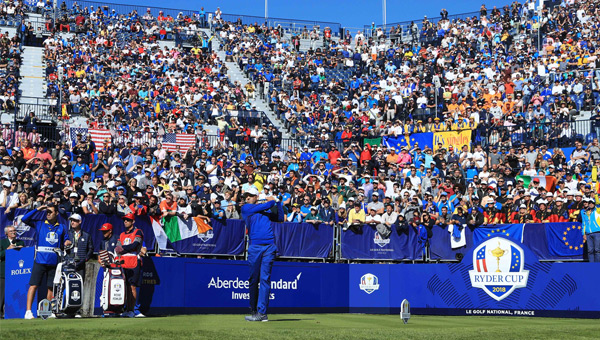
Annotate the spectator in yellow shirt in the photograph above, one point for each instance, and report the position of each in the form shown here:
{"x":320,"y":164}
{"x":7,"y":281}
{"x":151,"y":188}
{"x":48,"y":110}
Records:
{"x":356,"y":218}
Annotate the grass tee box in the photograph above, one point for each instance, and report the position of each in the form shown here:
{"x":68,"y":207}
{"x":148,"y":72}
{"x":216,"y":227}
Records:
{"x":303,"y":326}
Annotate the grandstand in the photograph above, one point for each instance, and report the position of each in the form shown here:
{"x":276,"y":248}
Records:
{"x":395,"y":134}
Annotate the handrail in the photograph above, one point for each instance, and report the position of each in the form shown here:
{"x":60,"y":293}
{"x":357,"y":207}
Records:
{"x":419,"y":22}
{"x":245,"y":19}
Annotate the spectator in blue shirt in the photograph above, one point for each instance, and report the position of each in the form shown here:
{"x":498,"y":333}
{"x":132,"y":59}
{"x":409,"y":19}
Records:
{"x":79,"y":168}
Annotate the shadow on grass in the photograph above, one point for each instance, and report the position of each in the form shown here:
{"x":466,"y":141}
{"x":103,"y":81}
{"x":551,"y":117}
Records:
{"x":271,"y":320}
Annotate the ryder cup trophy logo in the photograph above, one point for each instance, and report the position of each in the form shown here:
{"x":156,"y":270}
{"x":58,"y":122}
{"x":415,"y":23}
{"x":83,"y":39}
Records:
{"x":369,"y":283}
{"x":207,"y":236}
{"x":498,"y":268}
{"x":20,"y":227}
{"x":380,"y":241}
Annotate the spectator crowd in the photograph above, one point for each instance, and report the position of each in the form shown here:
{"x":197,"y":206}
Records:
{"x":482,"y":73}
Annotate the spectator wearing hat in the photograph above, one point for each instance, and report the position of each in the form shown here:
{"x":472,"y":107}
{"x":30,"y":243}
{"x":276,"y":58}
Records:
{"x":542,"y":215}
{"x":72,"y":206}
{"x":313,"y":216}
{"x":122,"y":206}
{"x":524,"y":215}
{"x":326,"y":212}
{"x":108,"y":202}
{"x":558,"y":212}
{"x":295,"y":215}
{"x":8,"y":197}
{"x":492,"y":211}
{"x":475,"y":213}
{"x":376,"y":204}
{"x":139,"y":207}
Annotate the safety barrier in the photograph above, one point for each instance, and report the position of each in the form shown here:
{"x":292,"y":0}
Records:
{"x":549,"y":241}
{"x":291,"y":25}
{"x":187,"y":286}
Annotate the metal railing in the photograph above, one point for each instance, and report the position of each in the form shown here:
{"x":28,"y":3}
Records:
{"x":406,"y":31}
{"x":286,"y":23}
{"x":107,"y":7}
{"x":46,"y":134}
{"x":41,"y":111}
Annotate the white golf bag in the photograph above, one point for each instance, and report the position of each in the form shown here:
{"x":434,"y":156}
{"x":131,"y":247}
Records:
{"x":114,"y":286}
{"x":67,"y":287}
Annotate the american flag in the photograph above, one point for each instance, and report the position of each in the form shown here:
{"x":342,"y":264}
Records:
{"x":98,"y":135}
{"x":481,"y":260}
{"x":183,"y":140}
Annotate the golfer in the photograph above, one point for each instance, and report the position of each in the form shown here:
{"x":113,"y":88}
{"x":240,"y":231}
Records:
{"x":261,"y":252}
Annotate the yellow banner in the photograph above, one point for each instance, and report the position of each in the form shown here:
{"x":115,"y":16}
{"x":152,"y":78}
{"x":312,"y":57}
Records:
{"x":455,"y":138}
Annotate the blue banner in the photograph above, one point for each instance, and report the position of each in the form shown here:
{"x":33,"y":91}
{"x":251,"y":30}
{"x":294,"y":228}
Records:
{"x":223,"y":239}
{"x":552,"y":289}
{"x":564,"y":239}
{"x":25,"y":233}
{"x":514,"y":231}
{"x":303,"y":239}
{"x":185,"y":286}
{"x":90,"y":224}
{"x":17,"y":273}
{"x":423,"y":139}
{"x":440,"y":246}
{"x":368,"y":244}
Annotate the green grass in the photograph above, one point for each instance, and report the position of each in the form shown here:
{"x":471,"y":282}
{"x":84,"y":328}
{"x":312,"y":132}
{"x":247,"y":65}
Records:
{"x":302,"y":326}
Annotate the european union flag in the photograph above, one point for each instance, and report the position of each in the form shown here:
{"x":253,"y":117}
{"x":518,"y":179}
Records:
{"x":514,"y":231}
{"x":423,"y":139}
{"x":564,"y":239}
{"x":515,"y":259}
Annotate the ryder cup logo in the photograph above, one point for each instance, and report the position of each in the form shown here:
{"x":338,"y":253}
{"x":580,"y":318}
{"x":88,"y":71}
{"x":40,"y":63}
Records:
{"x":206,"y":236}
{"x":380,"y":241}
{"x":75,"y":295}
{"x":52,"y":238}
{"x":369,"y":283}
{"x":20,"y":227}
{"x":498,"y":268}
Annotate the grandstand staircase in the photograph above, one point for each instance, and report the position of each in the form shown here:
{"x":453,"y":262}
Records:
{"x":236,"y":74}
{"x":32,"y":84}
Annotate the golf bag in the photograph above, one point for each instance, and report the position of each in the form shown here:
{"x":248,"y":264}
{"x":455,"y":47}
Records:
{"x":114,"y":285}
{"x":67,"y":287}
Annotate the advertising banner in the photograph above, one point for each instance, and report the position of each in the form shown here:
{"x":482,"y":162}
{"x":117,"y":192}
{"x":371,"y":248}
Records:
{"x":499,"y":276}
{"x":16,"y":275}
{"x":183,"y":286}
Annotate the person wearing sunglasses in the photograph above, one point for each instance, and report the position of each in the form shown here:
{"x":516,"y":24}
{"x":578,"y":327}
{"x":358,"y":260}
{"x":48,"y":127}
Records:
{"x":51,"y":234}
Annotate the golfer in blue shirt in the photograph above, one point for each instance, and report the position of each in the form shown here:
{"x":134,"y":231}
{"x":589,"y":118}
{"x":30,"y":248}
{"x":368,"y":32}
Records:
{"x":261,"y":252}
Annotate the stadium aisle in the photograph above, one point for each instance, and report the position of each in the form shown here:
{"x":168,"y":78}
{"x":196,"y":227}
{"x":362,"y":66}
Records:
{"x":32,"y":70}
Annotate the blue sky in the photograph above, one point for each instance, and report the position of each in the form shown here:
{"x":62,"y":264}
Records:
{"x":350,"y":13}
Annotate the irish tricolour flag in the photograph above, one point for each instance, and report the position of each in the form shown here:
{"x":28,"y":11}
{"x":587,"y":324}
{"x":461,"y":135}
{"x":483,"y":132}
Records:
{"x":548,"y":182}
{"x":177,"y":229}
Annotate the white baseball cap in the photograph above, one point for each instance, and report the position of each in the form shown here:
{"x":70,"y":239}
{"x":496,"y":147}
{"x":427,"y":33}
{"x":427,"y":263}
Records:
{"x":75,"y":217}
{"x":252,"y":191}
